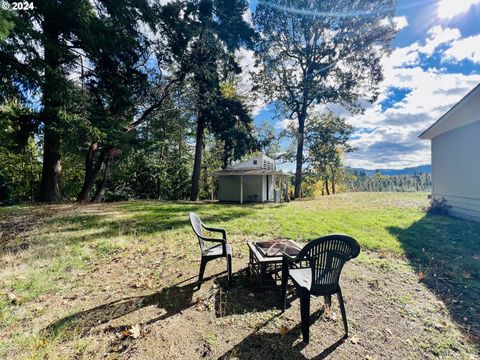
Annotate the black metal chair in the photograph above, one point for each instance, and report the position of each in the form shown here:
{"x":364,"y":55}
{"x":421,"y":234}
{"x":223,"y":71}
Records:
{"x":222,"y":249}
{"x":316,"y":271}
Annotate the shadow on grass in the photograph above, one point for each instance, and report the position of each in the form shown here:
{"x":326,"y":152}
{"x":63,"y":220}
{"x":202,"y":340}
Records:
{"x":446,"y":254}
{"x":244,"y":298}
{"x":134,"y":219}
{"x":173,"y":300}
{"x":240,"y":299}
{"x":276,"y":346}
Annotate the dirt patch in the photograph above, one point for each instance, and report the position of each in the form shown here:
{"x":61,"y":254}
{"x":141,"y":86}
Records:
{"x":391,"y":315}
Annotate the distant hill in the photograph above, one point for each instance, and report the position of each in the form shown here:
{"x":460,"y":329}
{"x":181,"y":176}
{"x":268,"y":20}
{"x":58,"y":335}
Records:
{"x":404,"y":171}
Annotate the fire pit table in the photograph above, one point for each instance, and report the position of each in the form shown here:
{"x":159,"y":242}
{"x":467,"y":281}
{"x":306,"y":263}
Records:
{"x":265,"y":262}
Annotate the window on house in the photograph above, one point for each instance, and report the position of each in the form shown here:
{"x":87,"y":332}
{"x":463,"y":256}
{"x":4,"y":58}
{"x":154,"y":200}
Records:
{"x":254,"y":162}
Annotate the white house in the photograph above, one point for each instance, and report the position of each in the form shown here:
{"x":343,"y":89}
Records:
{"x":456,"y":156}
{"x":253,"y":180}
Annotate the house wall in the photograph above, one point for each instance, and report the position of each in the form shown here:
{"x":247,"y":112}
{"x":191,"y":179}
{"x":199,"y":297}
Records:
{"x":456,"y":170}
{"x":264,"y":188}
{"x":252,"y":188}
{"x":229,"y":188}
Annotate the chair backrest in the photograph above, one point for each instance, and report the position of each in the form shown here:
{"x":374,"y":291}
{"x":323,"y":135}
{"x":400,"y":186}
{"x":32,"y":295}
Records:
{"x":326,"y":257}
{"x":197,"y":228}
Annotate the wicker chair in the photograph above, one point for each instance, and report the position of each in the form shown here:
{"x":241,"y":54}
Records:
{"x":221,"y":249}
{"x":316,"y":271}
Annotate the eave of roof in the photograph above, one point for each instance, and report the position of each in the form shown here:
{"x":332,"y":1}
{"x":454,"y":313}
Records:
{"x":429,"y":133}
{"x":253,"y":171}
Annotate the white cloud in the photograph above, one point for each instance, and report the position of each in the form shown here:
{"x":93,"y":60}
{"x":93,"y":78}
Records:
{"x":285,"y":123}
{"x":448,"y":9}
{"x":389,"y":137}
{"x":400,"y":22}
{"x":464,"y":49}
{"x":439,"y":36}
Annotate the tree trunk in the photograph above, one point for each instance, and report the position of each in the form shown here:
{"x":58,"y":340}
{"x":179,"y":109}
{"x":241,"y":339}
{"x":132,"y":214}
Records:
{"x":100,"y":193}
{"x":197,"y":165}
{"x":299,"y":158}
{"x":51,"y":168}
{"x":51,"y":99}
{"x":326,"y":185}
{"x":92,"y":169}
{"x":333,"y":180}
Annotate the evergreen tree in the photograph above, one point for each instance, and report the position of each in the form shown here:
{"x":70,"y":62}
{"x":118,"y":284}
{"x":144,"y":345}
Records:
{"x":202,"y":37}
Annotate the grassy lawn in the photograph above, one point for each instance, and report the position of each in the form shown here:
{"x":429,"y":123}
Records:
{"x":116,"y":281}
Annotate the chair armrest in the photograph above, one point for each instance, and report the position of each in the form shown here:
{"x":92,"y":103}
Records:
{"x":289,"y":261}
{"x":213,"y":229}
{"x":288,"y":258}
{"x":223,"y":242}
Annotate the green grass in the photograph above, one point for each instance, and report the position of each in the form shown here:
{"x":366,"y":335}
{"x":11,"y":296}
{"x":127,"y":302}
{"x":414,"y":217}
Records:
{"x":69,"y":237}
{"x":64,"y":240}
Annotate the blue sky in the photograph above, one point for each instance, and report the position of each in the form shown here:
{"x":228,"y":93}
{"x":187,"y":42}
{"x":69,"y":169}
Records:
{"x":435,"y":61}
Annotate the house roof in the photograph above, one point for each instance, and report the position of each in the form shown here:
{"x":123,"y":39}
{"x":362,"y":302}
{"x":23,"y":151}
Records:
{"x":465,"y":112}
{"x":249,"y":171}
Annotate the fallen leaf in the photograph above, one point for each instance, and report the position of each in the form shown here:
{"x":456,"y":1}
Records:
{"x":330,"y":315}
{"x":354,"y":339}
{"x":421,"y":276}
{"x":135,"y":331}
{"x":13,"y":298}
{"x":283,"y":330}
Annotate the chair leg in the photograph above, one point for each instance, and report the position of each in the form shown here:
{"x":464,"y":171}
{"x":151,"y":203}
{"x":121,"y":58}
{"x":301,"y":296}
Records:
{"x":229,"y":269}
{"x":342,"y":309}
{"x":305,"y":314}
{"x":328,"y":300}
{"x":284,"y":286}
{"x":203,"y":264}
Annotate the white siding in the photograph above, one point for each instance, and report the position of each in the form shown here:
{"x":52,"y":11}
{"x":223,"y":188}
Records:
{"x":260,"y":162}
{"x":456,"y":170}
{"x":264,"y":188}
{"x":249,"y":164}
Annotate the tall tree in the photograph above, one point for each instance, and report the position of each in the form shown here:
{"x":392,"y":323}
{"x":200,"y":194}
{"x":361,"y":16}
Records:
{"x":36,"y":64}
{"x":202,"y":36}
{"x":321,"y":52}
{"x":118,"y":84}
{"x":97,"y":46}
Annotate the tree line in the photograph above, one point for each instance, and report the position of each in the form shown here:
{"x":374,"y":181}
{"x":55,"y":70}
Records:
{"x":359,"y":181}
{"x":136,"y":98}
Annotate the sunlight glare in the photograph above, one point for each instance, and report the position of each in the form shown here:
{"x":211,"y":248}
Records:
{"x":448,"y":9}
